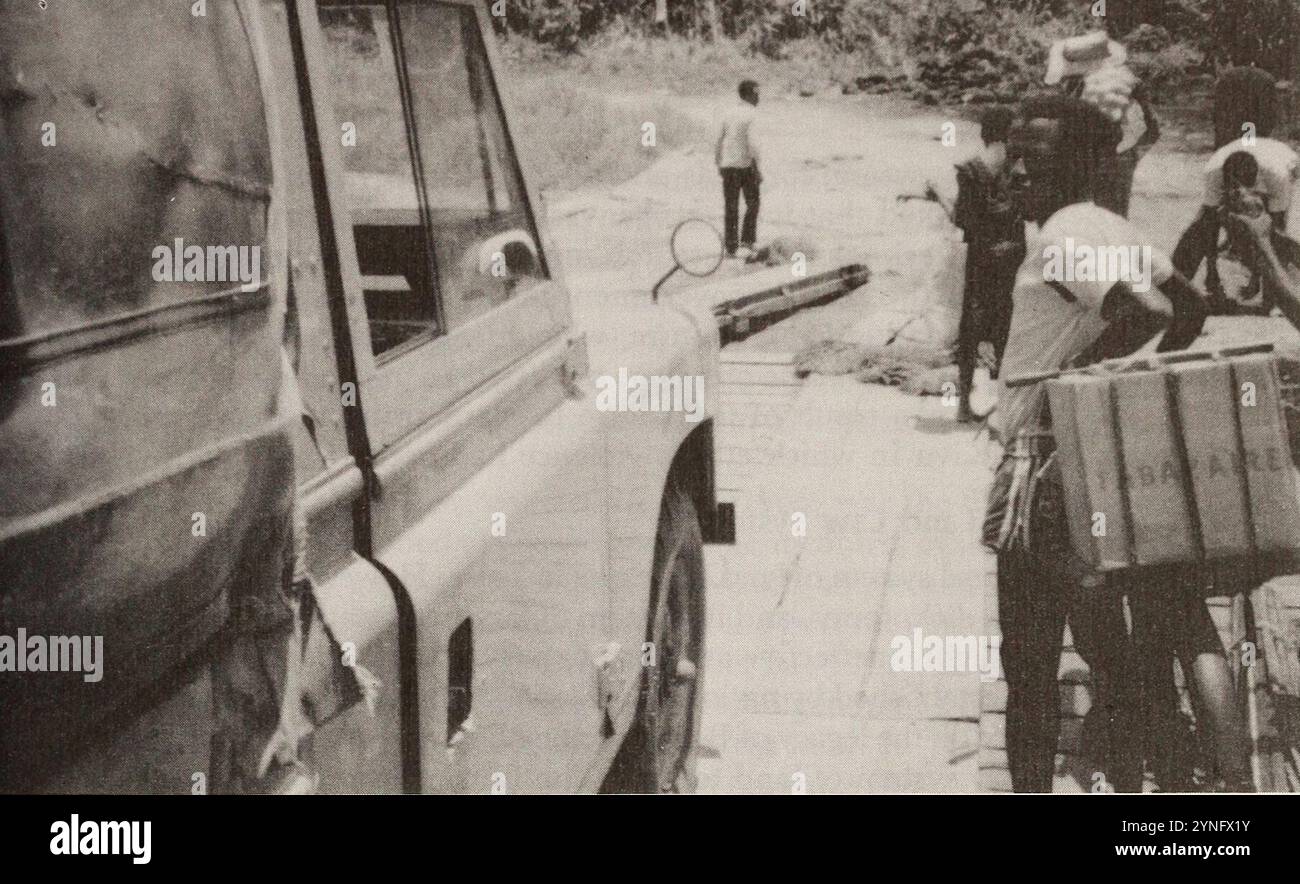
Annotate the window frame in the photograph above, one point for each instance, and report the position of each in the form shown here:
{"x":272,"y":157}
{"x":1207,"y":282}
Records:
{"x":405,"y":388}
{"x":430,"y":265}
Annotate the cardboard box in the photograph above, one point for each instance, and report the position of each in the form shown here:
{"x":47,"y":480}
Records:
{"x":1266,"y":455}
{"x":1084,"y":426}
{"x":1210,"y":433}
{"x":1185,"y":461}
{"x":1159,"y":494}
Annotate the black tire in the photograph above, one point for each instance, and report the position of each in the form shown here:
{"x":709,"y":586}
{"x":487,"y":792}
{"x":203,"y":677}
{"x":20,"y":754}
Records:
{"x":659,"y":753}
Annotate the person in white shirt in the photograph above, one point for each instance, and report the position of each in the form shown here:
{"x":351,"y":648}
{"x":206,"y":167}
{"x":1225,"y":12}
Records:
{"x":1059,"y":151}
{"x":736,"y":155}
{"x":1245,"y":113}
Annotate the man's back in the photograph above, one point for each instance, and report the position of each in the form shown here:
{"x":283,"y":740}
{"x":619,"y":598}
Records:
{"x":1055,"y":320}
{"x":736,"y":148}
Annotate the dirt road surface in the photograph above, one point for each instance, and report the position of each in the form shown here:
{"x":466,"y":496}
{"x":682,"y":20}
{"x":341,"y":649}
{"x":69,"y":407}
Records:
{"x":857,"y":506}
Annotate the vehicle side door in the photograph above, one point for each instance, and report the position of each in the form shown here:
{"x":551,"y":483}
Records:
{"x":482,"y":497}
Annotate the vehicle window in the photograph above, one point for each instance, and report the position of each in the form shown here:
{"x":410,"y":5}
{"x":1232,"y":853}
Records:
{"x":381,"y":187}
{"x":484,"y":240}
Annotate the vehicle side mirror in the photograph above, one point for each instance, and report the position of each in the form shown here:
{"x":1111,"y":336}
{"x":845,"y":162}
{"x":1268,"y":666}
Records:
{"x":697,"y":251}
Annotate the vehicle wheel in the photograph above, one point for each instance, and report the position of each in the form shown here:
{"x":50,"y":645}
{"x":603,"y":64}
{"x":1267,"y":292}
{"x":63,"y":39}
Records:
{"x":659,"y":753}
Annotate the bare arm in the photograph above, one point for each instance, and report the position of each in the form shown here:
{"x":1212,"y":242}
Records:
{"x":1152,"y":134}
{"x":1135,"y":318}
{"x":932,"y":194}
{"x":1279,"y":261}
{"x":1131,"y":322}
{"x":1200,"y":242}
{"x":1189,"y":313}
{"x":1210,"y":245}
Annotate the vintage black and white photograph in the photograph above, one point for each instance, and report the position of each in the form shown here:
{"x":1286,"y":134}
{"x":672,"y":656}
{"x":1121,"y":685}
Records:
{"x":728,"y":397}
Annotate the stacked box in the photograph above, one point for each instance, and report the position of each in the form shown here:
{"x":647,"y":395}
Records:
{"x":1186,"y":462}
{"x":1209,"y":419}
{"x":1158,"y":493}
{"x":1060,"y":397}
{"x":1288,"y":370}
{"x":1084,"y":425}
{"x":1266,"y":455}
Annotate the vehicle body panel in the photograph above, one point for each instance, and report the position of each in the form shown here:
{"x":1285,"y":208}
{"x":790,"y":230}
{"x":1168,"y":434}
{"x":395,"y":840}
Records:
{"x":472,"y":479}
{"x":148,"y":539}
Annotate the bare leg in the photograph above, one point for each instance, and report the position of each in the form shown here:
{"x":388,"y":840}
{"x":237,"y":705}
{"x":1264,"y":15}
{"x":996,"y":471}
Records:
{"x":965,"y":381}
{"x":1215,"y":700}
{"x":969,"y":330}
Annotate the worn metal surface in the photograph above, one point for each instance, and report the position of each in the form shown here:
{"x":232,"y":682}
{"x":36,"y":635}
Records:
{"x":502,"y":418}
{"x":163,"y":393}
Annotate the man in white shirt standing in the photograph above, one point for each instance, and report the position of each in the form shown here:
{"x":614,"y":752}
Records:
{"x":736,"y":154}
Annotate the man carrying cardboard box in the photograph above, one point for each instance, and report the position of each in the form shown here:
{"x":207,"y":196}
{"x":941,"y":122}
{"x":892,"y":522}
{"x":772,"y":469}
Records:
{"x":1068,"y":310}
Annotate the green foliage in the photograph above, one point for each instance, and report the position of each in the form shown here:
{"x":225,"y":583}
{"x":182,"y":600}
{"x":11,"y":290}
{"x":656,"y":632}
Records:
{"x":1261,"y":32}
{"x":992,"y":43}
{"x":999,"y":52}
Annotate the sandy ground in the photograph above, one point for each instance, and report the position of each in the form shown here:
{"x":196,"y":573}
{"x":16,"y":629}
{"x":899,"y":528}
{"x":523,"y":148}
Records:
{"x":833,"y":169}
{"x":857,"y":506}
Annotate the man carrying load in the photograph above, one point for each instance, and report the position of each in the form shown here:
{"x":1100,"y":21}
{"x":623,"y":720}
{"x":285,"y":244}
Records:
{"x":1094,"y":67}
{"x":1059,"y":152}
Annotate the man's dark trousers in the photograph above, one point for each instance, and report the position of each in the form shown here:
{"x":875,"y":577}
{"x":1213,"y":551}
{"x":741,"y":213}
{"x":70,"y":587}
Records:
{"x":1036,"y":596}
{"x":734,"y":182}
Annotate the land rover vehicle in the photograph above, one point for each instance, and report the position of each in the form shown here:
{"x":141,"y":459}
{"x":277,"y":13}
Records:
{"x":518,"y":569}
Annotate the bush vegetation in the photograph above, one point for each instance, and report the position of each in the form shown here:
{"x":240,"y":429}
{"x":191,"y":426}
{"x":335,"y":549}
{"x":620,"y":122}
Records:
{"x":964,"y":49}
{"x":587,"y":73}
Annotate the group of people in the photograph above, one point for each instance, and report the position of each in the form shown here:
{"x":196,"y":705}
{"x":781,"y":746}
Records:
{"x":1092,"y":69}
{"x":1063,"y":161}
{"x":1062,"y":164}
